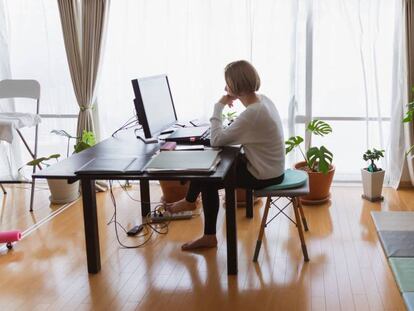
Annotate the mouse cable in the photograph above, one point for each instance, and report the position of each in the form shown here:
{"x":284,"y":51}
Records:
{"x":159,"y":228}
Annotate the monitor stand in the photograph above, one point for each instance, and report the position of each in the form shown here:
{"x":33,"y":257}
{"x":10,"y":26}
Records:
{"x":146,"y":140}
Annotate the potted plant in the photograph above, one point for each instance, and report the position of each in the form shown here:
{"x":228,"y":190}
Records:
{"x":372,"y":176}
{"x":409,"y":117}
{"x":61,"y":191}
{"x":317,"y":163}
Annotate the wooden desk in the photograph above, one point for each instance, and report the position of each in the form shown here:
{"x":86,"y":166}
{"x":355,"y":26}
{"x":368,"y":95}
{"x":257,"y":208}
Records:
{"x":126,"y":145}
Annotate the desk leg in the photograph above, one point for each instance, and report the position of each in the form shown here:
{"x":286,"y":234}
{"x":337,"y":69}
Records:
{"x":231,"y":228}
{"x":249,"y":203}
{"x":145,"y":197}
{"x":90,"y":218}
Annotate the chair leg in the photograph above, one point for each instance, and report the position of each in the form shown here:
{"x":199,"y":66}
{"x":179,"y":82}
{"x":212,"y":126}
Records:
{"x":262,"y":227}
{"x":299,"y":225}
{"x":2,"y":188}
{"x":249,"y":203}
{"x":302,"y":215}
{"x":32,"y":194}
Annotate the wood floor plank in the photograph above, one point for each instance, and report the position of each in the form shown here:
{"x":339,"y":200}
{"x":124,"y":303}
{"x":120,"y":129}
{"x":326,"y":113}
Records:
{"x":347,"y":270}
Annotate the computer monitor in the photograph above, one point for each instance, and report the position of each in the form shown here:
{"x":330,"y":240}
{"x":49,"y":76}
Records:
{"x":154,"y":104}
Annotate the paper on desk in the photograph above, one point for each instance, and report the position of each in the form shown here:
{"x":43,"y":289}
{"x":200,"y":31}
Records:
{"x":184,"y":161}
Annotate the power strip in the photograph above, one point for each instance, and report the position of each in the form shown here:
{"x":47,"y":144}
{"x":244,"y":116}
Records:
{"x":168,"y":216}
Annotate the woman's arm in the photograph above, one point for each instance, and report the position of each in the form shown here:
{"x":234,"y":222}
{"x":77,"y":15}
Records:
{"x":236,"y":133}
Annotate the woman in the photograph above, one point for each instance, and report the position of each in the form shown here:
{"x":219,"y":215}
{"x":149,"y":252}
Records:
{"x":258,"y":129}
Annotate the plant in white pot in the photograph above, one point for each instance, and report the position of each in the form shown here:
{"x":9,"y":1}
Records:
{"x":61,"y":191}
{"x":372,"y":176}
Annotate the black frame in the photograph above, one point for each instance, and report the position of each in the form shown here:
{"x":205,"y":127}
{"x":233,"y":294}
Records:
{"x":140,"y":107}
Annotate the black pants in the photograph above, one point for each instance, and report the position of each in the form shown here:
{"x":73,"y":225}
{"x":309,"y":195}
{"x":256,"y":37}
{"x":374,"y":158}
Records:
{"x":210,"y":195}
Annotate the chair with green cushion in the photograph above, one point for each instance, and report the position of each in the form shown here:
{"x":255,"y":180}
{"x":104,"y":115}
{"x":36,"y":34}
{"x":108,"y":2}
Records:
{"x":294,"y":186}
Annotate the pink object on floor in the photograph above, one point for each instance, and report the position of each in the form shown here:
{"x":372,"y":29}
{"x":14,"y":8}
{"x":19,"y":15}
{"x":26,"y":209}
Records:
{"x":10,"y":236}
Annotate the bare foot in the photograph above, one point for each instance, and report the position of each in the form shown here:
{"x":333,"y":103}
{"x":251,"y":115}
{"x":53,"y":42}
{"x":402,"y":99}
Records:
{"x":180,"y":206}
{"x":206,"y":241}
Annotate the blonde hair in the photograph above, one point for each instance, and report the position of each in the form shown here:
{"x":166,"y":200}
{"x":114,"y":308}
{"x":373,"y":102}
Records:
{"x":241,"y":78}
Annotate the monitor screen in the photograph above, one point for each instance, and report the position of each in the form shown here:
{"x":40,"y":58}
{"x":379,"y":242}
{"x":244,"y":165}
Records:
{"x":154,"y":104}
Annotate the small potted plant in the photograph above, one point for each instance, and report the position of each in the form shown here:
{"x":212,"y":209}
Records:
{"x":372,"y":176}
{"x":317,"y":163}
{"x":61,"y":191}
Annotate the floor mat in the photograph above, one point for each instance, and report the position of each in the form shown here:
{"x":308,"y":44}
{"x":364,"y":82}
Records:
{"x":393,"y":221}
{"x":409,"y":301}
{"x":403,"y":269}
{"x":397,"y":243}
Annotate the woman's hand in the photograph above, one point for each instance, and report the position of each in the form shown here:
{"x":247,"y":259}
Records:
{"x":227,"y":100}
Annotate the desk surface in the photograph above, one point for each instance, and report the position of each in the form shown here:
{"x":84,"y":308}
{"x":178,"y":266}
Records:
{"x":127,"y":145}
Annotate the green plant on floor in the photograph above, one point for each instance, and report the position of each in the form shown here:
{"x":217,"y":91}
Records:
{"x":42,"y":161}
{"x":409,"y":117}
{"x":318,"y":159}
{"x":373,"y":155}
{"x":86,"y":141}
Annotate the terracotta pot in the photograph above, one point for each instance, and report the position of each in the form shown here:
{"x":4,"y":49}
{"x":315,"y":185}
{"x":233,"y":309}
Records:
{"x":173,"y":190}
{"x":319,"y":185}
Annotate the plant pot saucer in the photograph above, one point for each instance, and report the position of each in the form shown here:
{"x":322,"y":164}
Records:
{"x":379,"y":199}
{"x":316,"y":202}
{"x":64,"y":201}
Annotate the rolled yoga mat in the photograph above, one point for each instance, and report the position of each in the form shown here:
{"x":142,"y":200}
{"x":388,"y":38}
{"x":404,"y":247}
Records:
{"x":10,"y":236}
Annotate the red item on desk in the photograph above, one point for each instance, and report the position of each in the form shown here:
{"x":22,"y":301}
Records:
{"x":168,"y":146}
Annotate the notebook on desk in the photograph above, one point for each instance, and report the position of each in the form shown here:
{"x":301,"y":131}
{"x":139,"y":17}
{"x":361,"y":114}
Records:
{"x":198,"y":162}
{"x":113,"y":166}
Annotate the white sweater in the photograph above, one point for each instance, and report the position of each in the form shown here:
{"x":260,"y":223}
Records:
{"x":259,"y":129}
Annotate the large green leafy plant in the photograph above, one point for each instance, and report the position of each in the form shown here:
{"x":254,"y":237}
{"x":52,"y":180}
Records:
{"x":409,"y":117}
{"x":318,"y":159}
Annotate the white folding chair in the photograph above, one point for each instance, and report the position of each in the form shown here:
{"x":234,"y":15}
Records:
{"x":22,"y":89}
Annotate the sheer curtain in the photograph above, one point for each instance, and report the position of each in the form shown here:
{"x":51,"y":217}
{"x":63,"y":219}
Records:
{"x":37,"y":52}
{"x":353,"y":71}
{"x":9,"y":153}
{"x":192,"y":41}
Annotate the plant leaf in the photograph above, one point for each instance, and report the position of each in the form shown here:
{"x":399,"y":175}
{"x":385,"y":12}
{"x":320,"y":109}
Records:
{"x":292,"y":143}
{"x":88,"y":138}
{"x":36,"y":161}
{"x":409,"y":150}
{"x":80,"y":146}
{"x":54,"y":156}
{"x":319,"y":127}
{"x":62,"y":133}
{"x":321,"y":157}
{"x":409,"y":116}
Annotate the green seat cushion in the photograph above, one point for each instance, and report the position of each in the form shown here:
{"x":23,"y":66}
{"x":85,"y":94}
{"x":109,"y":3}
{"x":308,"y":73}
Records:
{"x":403,"y":269}
{"x":292,"y":179}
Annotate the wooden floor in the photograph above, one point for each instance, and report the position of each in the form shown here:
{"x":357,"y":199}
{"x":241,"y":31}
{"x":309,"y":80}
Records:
{"x":347,"y":269}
